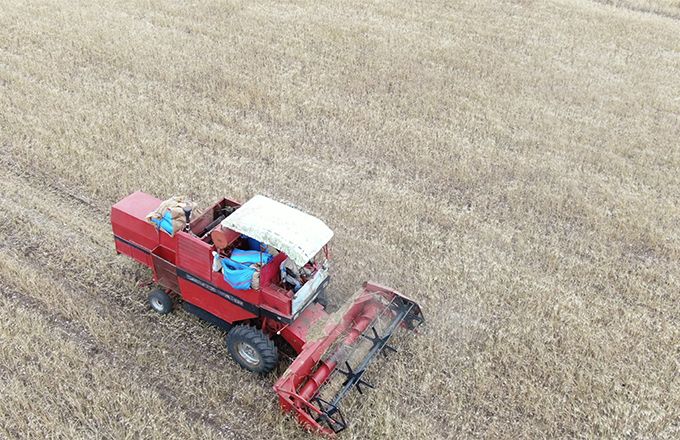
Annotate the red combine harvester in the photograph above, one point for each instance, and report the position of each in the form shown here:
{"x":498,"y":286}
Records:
{"x":278,"y":306}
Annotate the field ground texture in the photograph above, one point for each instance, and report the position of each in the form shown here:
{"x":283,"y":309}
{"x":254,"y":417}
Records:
{"x":512,"y":165}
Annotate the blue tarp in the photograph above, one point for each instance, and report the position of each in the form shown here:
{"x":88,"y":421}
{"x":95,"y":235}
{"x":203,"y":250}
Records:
{"x":250,"y":257}
{"x":239,"y":276}
{"x":165,"y":223}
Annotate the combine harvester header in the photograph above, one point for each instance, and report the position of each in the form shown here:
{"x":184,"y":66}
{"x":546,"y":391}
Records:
{"x":374,"y":314}
{"x":259,"y":270}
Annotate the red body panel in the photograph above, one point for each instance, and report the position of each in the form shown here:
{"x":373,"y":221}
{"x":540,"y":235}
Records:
{"x":134,"y":253}
{"x":194,"y":256}
{"x":183,"y":263}
{"x":296,"y":333}
{"x":219,"y":307}
{"x":128,"y":220}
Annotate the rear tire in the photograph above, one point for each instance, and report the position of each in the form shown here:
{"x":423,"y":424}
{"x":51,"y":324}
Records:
{"x":252,"y":349}
{"x":160,"y":302}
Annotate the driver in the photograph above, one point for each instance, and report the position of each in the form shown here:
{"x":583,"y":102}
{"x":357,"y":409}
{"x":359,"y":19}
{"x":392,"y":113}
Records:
{"x":290,"y":274}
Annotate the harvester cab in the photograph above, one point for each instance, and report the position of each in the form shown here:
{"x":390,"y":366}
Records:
{"x":260,"y":270}
{"x":275,"y":228}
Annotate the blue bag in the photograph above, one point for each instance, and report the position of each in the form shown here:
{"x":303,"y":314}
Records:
{"x":250,"y":257}
{"x":165,"y":223}
{"x":239,"y":276}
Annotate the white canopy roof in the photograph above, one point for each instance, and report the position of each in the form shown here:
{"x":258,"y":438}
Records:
{"x":298,"y":235}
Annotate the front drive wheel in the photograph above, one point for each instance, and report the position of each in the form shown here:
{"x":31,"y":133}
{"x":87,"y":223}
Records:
{"x":252,"y":349}
{"x":160,"y":301}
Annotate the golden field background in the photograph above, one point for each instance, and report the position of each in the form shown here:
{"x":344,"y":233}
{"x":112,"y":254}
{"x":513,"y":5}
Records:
{"x":511,"y":165}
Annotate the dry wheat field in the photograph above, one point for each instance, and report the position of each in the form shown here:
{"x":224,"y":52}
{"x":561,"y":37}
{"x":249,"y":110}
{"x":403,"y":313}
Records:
{"x":514,"y":166}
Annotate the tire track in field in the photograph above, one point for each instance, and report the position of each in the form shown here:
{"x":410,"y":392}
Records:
{"x":78,"y":334}
{"x":17,"y":169}
{"x":42,"y":256}
{"x":94,"y":350}
{"x":38,"y":259}
{"x":640,"y":9}
{"x":36,"y":251}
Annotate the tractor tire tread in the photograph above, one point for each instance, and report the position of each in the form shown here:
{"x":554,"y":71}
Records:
{"x":162,"y":298}
{"x":257,"y":339}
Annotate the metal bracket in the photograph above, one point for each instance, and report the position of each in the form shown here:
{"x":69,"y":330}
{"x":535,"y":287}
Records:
{"x":356,"y":377}
{"x":331,"y":415}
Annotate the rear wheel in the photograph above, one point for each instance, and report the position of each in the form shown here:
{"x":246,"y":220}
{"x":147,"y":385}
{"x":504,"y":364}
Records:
{"x":160,"y":301}
{"x":252,"y":349}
